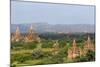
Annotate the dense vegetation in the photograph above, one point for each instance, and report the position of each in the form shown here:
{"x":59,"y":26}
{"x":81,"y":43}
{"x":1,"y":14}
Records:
{"x":42,"y":53}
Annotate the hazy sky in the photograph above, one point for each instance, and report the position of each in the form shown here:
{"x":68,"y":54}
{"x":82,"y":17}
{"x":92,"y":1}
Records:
{"x":30,"y":12}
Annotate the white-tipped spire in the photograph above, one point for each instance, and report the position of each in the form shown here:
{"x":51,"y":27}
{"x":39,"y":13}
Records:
{"x":31,"y":27}
{"x":17,"y":33}
{"x":74,"y":42}
{"x":88,"y":38}
{"x":88,"y":41}
{"x":17,"y":30}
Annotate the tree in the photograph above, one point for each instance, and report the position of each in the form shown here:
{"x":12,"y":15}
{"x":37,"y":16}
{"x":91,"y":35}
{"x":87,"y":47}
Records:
{"x":37,"y":53}
{"x":90,"y":55}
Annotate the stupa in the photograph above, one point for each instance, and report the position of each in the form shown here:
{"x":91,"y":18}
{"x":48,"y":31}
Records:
{"x":73,"y":51}
{"x":88,"y":46}
{"x":32,"y":36}
{"x":17,"y":35}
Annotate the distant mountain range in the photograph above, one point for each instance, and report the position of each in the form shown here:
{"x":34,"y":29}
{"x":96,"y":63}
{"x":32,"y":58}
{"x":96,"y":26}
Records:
{"x":60,"y":28}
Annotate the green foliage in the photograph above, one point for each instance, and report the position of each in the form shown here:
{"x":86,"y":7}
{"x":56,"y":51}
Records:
{"x":22,"y":45}
{"x":81,"y":59}
{"x":47,"y":44}
{"x":37,"y":53}
{"x":90,"y":55}
{"x":63,"y":51}
{"x":21,"y":58}
{"x":62,"y":43}
{"x":29,"y":52}
{"x":13,"y":65}
{"x":16,"y":44}
{"x":30,"y":45}
{"x":57,"y":59}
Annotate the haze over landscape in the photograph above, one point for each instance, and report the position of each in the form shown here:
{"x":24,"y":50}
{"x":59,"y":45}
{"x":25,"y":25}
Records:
{"x":65,"y":28}
{"x":46,"y":17}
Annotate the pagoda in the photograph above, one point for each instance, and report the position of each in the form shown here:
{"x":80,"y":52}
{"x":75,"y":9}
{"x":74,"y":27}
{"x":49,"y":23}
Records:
{"x":32,"y":36}
{"x":73,"y":51}
{"x":88,"y":45}
{"x":17,"y":35}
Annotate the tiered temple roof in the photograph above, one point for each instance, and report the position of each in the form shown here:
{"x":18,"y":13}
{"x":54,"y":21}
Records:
{"x":17,"y":35}
{"x":73,"y":51}
{"x":31,"y":36}
{"x":89,"y":45}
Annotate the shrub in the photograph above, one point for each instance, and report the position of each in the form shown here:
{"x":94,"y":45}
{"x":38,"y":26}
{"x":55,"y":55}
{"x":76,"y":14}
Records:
{"x":90,"y":55}
{"x":81,"y":59}
{"x":37,"y":53}
{"x":47,"y":44}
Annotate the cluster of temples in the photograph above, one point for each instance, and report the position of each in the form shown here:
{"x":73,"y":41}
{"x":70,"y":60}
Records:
{"x":75,"y":51}
{"x":31,"y":36}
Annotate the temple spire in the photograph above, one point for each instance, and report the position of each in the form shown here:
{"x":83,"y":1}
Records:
{"x":89,"y":42}
{"x":17,"y":30}
{"x":74,"y":45}
{"x":17,"y":35}
{"x":32,"y":35}
{"x":31,"y":27}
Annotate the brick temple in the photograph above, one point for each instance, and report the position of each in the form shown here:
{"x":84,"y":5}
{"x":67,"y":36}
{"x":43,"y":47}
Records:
{"x":76,"y":51}
{"x":31,"y":36}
